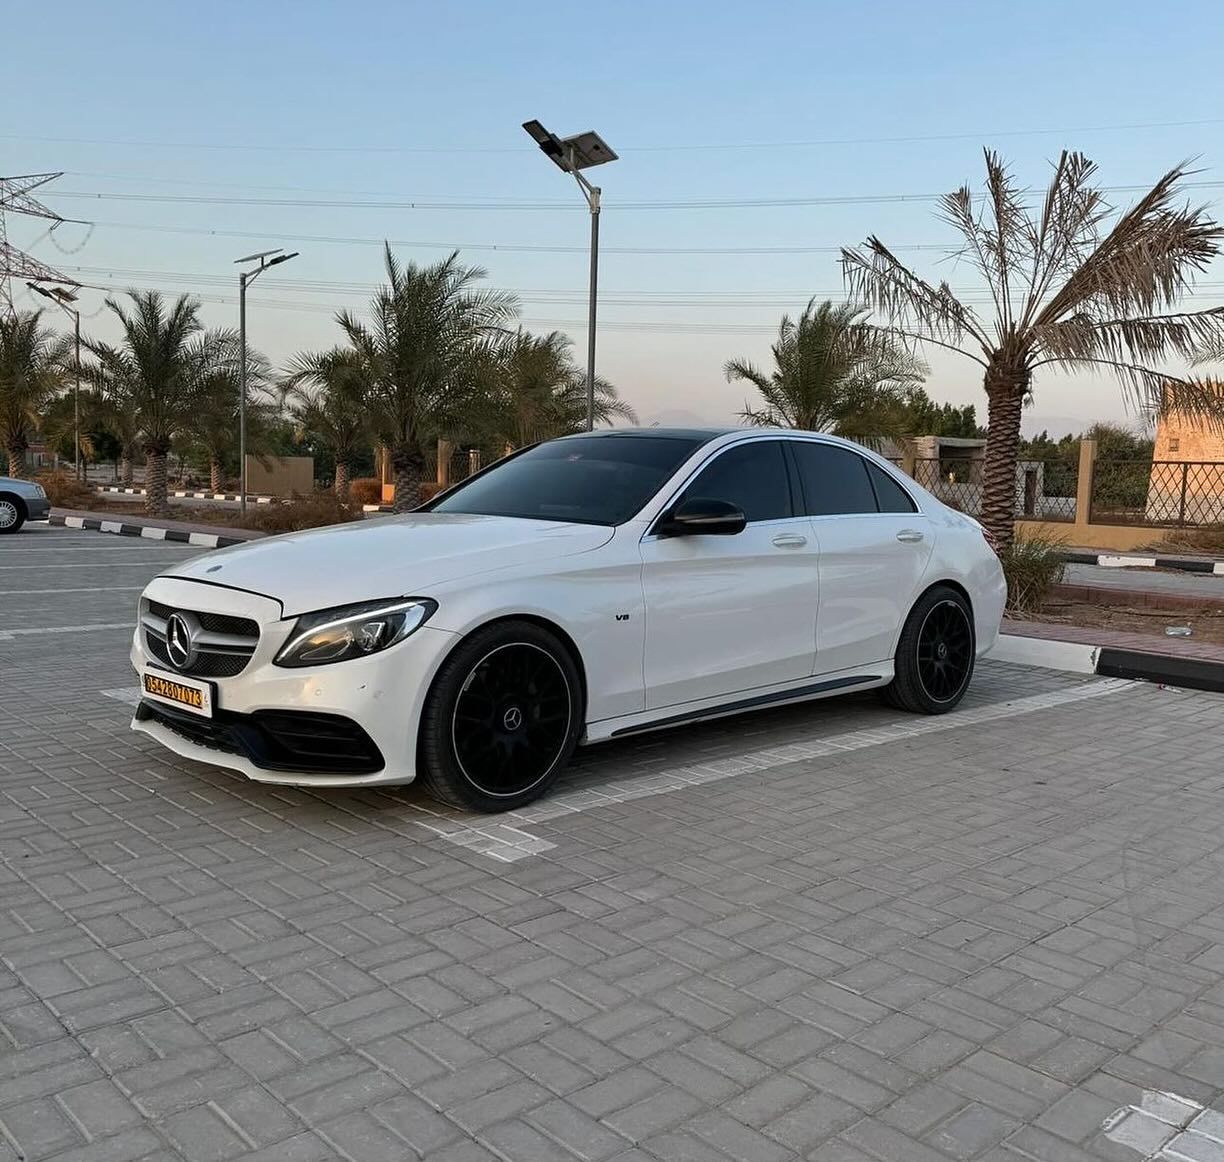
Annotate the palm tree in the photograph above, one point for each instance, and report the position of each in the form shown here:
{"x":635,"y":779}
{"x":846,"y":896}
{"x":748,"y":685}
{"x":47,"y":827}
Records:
{"x":422,"y":355}
{"x":34,"y":362}
{"x":538,"y":393}
{"x":155,"y":375}
{"x":1069,"y":290}
{"x":327,"y":392}
{"x":833,"y":372}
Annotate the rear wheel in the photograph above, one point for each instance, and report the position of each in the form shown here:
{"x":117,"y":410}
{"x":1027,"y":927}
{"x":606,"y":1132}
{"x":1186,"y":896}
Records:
{"x":502,"y":719}
{"x":935,"y":655}
{"x":12,"y":513}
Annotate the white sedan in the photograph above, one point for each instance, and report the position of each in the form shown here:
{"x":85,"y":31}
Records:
{"x":579,"y":590}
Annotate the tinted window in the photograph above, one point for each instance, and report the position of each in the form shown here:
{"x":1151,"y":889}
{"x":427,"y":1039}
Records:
{"x":892,"y":497}
{"x":834,"y":479}
{"x":599,"y":480}
{"x":752,"y":477}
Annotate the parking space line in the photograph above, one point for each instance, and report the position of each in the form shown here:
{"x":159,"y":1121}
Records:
{"x":505,"y":839}
{"x":94,"y":565}
{"x":56,"y":592}
{"x":9,"y":634}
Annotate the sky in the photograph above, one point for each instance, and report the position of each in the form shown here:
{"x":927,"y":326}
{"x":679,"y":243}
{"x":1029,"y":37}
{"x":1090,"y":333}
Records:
{"x":192,"y":134}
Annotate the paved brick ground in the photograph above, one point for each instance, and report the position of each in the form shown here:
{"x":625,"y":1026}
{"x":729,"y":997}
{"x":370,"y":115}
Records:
{"x":984,"y":941}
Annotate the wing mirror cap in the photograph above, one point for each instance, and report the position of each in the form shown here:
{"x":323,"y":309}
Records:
{"x":701,"y":516}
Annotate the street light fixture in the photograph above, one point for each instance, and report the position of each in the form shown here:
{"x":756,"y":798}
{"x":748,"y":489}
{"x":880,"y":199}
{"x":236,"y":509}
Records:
{"x":65,"y":298}
{"x":572,"y":155}
{"x":265,"y":259}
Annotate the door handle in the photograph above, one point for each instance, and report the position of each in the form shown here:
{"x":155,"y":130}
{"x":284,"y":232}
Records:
{"x":789,"y":541}
{"x":909,"y":536}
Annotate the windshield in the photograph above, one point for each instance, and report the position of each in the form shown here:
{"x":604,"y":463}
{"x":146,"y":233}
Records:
{"x":598,"y":480}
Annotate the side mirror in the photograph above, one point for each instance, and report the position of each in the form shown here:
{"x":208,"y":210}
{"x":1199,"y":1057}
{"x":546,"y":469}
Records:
{"x":700,"y":516}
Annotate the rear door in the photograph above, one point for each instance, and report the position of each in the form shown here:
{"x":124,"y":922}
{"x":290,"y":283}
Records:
{"x":873,"y":546}
{"x":731,"y":614}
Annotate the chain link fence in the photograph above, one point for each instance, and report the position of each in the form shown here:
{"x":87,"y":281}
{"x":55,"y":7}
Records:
{"x":1179,"y":493}
{"x":1045,"y":489}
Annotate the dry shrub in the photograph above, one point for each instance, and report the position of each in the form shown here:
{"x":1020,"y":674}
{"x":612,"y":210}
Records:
{"x":365,"y":490}
{"x":65,"y":491}
{"x":1033,"y":565}
{"x":1204,"y":542}
{"x":313,"y":511}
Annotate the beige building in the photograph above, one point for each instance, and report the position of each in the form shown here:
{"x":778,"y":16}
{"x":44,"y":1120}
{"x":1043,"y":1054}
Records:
{"x":1187,"y":478}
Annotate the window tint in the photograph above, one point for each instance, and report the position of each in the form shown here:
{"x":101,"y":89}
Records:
{"x":600,"y":480}
{"x":834,"y":480}
{"x":753,"y":477}
{"x":892,"y":497}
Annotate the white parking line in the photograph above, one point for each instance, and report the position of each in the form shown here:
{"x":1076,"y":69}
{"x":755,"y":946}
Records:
{"x":56,"y":592}
{"x":504,"y":837}
{"x":110,"y":565}
{"x":9,"y":634}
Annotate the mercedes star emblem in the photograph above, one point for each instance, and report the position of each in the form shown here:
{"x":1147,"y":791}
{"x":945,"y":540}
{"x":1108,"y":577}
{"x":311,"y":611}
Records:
{"x":513,"y":718}
{"x":180,"y":641}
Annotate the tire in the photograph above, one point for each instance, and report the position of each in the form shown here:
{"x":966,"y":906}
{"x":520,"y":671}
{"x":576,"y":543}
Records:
{"x":502,"y":718}
{"x":929,"y":680}
{"x":12,"y":513}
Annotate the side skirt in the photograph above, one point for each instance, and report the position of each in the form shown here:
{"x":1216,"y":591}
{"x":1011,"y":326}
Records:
{"x":809,"y":692}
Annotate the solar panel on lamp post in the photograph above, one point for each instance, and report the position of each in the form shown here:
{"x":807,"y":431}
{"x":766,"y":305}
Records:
{"x":266,"y":259}
{"x":572,"y":155}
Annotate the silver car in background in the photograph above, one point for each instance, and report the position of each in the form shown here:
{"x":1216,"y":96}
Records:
{"x":20,"y":501}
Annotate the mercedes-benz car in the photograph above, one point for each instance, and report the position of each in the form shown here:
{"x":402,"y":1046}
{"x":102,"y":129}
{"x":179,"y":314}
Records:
{"x":20,"y":501}
{"x":576,"y":591}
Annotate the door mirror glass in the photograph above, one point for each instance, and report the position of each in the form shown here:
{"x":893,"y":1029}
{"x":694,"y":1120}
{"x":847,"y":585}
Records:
{"x":701,"y":516}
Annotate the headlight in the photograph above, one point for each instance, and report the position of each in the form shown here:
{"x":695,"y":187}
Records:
{"x":353,"y":631}
{"x":41,"y":491}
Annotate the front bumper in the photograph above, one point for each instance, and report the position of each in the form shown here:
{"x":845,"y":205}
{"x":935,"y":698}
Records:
{"x":37,"y":507}
{"x":382,"y":695}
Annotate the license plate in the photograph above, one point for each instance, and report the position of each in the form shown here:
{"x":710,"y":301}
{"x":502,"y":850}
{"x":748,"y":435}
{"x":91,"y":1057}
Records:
{"x":183,"y":693}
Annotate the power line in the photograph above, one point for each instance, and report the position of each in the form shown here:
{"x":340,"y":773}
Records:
{"x":427,"y":203}
{"x":671,"y":147}
{"x":509,"y":247}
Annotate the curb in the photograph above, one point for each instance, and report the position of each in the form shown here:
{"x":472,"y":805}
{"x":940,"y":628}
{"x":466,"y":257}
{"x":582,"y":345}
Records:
{"x":191,"y":495}
{"x":149,"y":532}
{"x":1125,"y":561}
{"x":1110,"y":662}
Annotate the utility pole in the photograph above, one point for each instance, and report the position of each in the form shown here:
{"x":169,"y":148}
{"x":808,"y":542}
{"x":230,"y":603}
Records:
{"x":66,"y":299}
{"x":266,"y":259}
{"x":572,"y":155}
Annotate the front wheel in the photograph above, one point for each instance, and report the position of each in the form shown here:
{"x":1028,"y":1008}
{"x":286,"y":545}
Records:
{"x":935,"y":655}
{"x":12,"y":514}
{"x":502,"y":718}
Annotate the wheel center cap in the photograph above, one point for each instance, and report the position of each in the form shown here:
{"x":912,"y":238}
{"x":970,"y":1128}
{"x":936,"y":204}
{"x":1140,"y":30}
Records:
{"x":941,"y":651}
{"x":513,"y":718}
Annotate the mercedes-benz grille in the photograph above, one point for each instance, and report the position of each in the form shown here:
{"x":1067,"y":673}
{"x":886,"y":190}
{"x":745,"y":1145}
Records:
{"x":197,"y":642}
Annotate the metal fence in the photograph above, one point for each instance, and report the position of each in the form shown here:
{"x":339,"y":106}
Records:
{"x":1045,"y":489}
{"x":1157,"y":492}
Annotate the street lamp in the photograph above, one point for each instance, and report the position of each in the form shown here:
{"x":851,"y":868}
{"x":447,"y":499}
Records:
{"x":572,"y":155}
{"x":66,"y":299}
{"x":265,"y":259}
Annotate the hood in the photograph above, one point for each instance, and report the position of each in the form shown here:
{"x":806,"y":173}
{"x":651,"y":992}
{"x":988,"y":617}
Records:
{"x":386,"y":557}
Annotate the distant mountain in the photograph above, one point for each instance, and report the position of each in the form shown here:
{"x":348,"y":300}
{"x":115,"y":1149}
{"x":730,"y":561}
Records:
{"x":679,"y":418}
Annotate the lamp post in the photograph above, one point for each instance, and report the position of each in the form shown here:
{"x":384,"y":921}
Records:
{"x":572,"y":155}
{"x":66,"y":299}
{"x":265,"y":259}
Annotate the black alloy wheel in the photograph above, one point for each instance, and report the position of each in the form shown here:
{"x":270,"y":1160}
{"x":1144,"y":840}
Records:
{"x":502,"y":718}
{"x":945,"y":651}
{"x":935,"y":655}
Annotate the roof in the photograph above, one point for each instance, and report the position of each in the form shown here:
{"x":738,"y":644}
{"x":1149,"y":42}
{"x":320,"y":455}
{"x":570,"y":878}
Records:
{"x":697,"y":434}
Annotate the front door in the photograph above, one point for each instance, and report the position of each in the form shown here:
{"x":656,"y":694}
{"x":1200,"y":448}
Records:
{"x":729,"y":615}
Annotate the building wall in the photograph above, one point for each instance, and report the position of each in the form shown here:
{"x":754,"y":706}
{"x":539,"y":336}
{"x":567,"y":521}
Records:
{"x":1184,"y":438}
